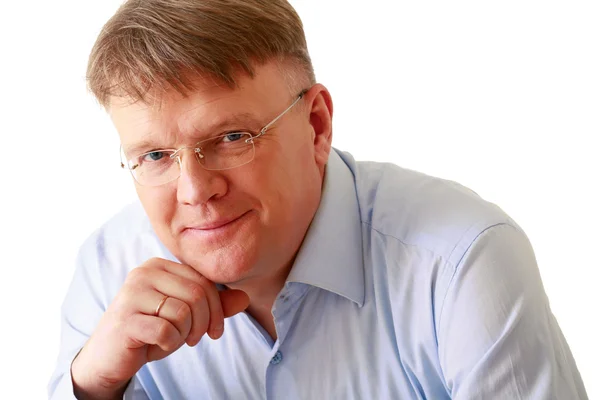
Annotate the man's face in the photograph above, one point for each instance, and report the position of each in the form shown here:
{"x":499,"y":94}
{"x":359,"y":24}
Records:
{"x":243,"y":223}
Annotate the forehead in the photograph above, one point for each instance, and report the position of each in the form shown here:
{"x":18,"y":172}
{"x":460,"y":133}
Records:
{"x":182,"y":120}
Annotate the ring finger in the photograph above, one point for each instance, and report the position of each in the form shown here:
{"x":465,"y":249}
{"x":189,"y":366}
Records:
{"x":172,"y":309}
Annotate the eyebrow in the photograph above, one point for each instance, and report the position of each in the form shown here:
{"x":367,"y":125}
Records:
{"x":239,"y":121}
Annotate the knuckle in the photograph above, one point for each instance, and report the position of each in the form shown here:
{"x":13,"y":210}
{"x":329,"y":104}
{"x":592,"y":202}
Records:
{"x":154,"y":262}
{"x":121,"y":301}
{"x":124,"y":301}
{"x":151,"y":262}
{"x":163,"y":330}
{"x":204,"y":281}
{"x":182,"y":313}
{"x":136,"y":275}
{"x":165,"y":337}
{"x":196,"y":292}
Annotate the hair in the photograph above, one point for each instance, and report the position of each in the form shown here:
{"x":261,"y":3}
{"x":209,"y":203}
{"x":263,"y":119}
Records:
{"x":157,"y":45}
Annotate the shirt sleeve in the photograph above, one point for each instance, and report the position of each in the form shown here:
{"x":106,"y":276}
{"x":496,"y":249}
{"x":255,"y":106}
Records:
{"x":81,"y":311}
{"x":497,"y":336}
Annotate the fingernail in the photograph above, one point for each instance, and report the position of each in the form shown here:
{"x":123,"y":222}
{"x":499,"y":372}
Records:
{"x":217,"y":332}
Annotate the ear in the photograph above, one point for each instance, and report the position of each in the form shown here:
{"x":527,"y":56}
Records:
{"x":320,"y":109}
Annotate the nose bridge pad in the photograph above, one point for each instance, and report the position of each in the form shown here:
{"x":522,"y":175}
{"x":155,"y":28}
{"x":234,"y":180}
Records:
{"x":199,"y":155}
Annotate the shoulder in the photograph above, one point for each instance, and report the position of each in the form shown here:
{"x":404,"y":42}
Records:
{"x":127,"y":225}
{"x":422,"y":211}
{"x":123,"y":242}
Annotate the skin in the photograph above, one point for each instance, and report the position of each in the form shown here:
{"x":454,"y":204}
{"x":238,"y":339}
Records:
{"x":240,"y":227}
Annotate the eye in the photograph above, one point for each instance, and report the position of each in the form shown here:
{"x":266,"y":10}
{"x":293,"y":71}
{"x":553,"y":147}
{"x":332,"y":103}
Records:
{"x":234,"y":136}
{"x":154,"y":156}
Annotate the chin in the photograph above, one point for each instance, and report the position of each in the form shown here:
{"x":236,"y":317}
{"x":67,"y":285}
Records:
{"x":225,"y":265}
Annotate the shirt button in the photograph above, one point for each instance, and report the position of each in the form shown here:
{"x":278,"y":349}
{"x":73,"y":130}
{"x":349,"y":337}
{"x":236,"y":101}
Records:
{"x":277,"y":358}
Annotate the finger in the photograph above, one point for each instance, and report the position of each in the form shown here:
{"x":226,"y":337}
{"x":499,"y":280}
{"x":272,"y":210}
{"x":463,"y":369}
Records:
{"x":189,"y":292}
{"x":172,"y":309}
{"x":200,"y":321}
{"x":233,"y":301}
{"x":215,"y":328}
{"x":216,"y":323}
{"x":150,"y":330}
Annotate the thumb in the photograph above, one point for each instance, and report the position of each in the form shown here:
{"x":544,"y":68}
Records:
{"x":233,"y":301}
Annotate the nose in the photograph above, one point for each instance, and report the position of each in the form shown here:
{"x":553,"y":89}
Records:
{"x":197,"y":185}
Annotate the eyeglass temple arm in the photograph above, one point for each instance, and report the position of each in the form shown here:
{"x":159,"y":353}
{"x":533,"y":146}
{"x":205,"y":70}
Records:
{"x":300,"y":96}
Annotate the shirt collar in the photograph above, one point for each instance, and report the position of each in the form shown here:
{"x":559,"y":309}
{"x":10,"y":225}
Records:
{"x":331,"y":255}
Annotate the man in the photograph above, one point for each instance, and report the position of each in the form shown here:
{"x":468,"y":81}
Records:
{"x":260,"y":263}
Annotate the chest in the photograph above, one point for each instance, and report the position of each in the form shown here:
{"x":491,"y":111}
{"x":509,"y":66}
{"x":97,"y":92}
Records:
{"x":327,"y":347}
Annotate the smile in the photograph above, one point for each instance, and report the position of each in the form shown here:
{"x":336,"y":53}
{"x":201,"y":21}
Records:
{"x":216,"y":228}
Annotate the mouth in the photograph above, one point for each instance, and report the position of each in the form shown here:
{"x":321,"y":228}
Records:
{"x":214,"y":226}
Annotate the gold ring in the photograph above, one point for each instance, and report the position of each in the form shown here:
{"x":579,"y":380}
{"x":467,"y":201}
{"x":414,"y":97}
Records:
{"x":159,"y":306}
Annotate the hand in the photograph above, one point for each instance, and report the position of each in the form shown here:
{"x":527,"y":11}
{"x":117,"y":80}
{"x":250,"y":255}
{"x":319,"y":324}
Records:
{"x":129,"y":333}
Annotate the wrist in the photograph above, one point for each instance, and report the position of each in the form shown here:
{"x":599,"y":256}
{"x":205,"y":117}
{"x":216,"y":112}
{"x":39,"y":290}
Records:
{"x":90,"y":386}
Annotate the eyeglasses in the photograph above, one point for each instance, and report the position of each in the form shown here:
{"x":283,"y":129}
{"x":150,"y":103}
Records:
{"x":159,"y":167}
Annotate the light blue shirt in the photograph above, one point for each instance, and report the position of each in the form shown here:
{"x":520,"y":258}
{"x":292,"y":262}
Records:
{"x":406,"y":287}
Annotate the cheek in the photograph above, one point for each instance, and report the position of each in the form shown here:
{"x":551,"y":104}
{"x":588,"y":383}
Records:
{"x":282,"y":177}
{"x":299,"y":170}
{"x":160,"y":207}
{"x":289,"y":182}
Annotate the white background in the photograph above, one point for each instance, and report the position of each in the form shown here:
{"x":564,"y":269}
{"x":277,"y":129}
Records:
{"x":502,"y":97}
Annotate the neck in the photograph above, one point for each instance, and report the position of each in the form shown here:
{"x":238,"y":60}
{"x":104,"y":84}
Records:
{"x":262,"y":292}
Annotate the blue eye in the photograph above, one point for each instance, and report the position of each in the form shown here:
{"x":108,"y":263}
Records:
{"x":154,"y":156}
{"x":233,"y":137}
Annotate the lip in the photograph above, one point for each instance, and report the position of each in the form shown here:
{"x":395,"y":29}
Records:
{"x":214,"y":225}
